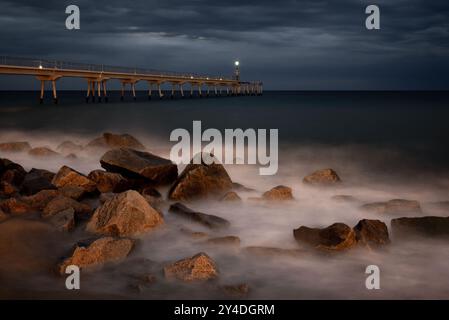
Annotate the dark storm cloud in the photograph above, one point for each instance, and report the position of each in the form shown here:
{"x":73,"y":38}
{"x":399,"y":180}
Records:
{"x":308,"y":44}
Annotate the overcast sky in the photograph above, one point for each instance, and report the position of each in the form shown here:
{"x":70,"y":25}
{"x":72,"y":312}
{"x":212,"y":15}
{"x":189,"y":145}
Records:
{"x":306,"y":45}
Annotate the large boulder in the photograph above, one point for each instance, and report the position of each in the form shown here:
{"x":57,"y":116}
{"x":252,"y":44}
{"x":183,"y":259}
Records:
{"x":395,"y":206}
{"x":37,"y":180}
{"x":137,"y":164}
{"x":110,"y":141}
{"x":20,"y":146}
{"x":200,"y":267}
{"x":43,"y":152}
{"x":69,"y":177}
{"x":207,"y":220}
{"x":28,"y":204}
{"x":278,"y":193}
{"x":324,"y":177}
{"x":7,"y":190}
{"x":108,"y":181}
{"x":337,"y":236}
{"x":371,"y":233}
{"x":422,"y":226}
{"x":69,"y":147}
{"x":126,"y":214}
{"x":231,"y":196}
{"x":98,"y":252}
{"x":62,"y":203}
{"x":11,"y":172}
{"x":63,"y":220}
{"x":201,"y":181}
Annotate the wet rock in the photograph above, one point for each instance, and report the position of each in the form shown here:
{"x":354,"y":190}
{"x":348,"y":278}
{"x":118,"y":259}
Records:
{"x":194,"y":234}
{"x":153,"y":197}
{"x":69,"y":147}
{"x":395,"y":206}
{"x":324,"y":177}
{"x":337,"y":236}
{"x":108,"y":181}
{"x":231,"y":196}
{"x":98,"y":252}
{"x":15,"y":206}
{"x":207,"y":220}
{"x":200,"y":267}
{"x":343,"y":198}
{"x":428,"y":226}
{"x":63,"y":220}
{"x":110,"y":140}
{"x":371,"y":233}
{"x":224,"y":241}
{"x":40,"y":200}
{"x":28,"y":204}
{"x":201,"y":181}
{"x":42,"y":152}
{"x":68,"y":177}
{"x":134,"y":164}
{"x":278,"y":193}
{"x":8,"y":190}
{"x":20,"y":146}
{"x":272,"y":251}
{"x":71,"y":156}
{"x":74,"y":192}
{"x":37,"y":180}
{"x":62,"y":203}
{"x":126,"y":214}
{"x":11,"y":172}
{"x":236,"y":291}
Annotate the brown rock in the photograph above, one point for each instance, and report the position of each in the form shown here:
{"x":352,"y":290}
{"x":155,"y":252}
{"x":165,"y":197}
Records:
{"x":395,"y":206}
{"x":7,"y":189}
{"x":68,"y":177}
{"x":126,"y":214}
{"x":69,"y":147}
{"x":108,"y":181}
{"x":15,"y":146}
{"x":200,"y":267}
{"x":337,"y":236}
{"x":40,"y":200}
{"x":37,"y":180}
{"x":227,"y":241}
{"x":63,"y":220}
{"x":371,"y":233}
{"x":343,"y":198}
{"x":42,"y":152}
{"x":278,"y":193}
{"x":231,"y":196}
{"x":322,"y":178}
{"x":11,"y":172}
{"x":423,"y":226}
{"x":97,"y":253}
{"x":74,"y":192}
{"x":194,"y":234}
{"x":134,"y":164}
{"x":236,"y":291}
{"x":201,"y":181}
{"x":207,"y":220}
{"x":15,"y":206}
{"x":62,"y":203}
{"x":110,"y":140}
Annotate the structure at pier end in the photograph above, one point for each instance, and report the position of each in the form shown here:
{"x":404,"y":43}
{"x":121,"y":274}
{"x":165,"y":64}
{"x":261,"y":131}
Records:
{"x":97,"y":77}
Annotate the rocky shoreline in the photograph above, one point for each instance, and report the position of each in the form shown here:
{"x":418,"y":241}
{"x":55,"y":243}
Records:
{"x":136,"y":191}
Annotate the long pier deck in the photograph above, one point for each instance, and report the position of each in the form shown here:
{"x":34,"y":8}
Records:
{"x":97,"y":77}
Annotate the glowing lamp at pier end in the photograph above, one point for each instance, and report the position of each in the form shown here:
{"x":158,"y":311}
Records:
{"x":40,"y":66}
{"x":237,"y":63}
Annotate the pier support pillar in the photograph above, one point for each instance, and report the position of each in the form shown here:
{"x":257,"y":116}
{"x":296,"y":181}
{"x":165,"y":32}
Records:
{"x":191,"y":90}
{"x":99,"y":91}
{"x":104,"y":91}
{"x":41,"y":100}
{"x":122,"y":93}
{"x":150,"y":86}
{"x":172,"y":96}
{"x":215,"y":90}
{"x":92,"y":90}
{"x":88,"y":91}
{"x":161,"y":95}
{"x":133,"y":88}
{"x":199,"y":91}
{"x":181,"y":90}
{"x":53,"y":86}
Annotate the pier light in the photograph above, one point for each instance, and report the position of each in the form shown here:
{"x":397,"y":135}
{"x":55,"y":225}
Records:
{"x":40,"y":66}
{"x":237,"y":63}
{"x":191,"y":77}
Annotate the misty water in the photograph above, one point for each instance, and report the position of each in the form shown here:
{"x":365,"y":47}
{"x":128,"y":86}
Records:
{"x":384,"y":146}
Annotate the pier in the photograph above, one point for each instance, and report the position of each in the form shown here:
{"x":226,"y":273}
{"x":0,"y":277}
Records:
{"x":97,"y":77}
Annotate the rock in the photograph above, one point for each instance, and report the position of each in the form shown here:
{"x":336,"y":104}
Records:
{"x":40,"y":200}
{"x":371,"y":233}
{"x":278,"y":193}
{"x":74,"y":192}
{"x":240,"y":187}
{"x":337,"y":236}
{"x":343,"y":198}
{"x":71,"y":156}
{"x":428,"y":226}
{"x":194,"y":234}
{"x":200,"y":267}
{"x":201,"y":181}
{"x":63,"y":220}
{"x":126,"y":214}
{"x":15,"y":206}
{"x":271,"y":251}
{"x":8,"y":190}
{"x":207,"y":220}
{"x":62,"y":203}
{"x":110,"y":140}
{"x":11,"y":172}
{"x":106,"y":196}
{"x":395,"y":206}
{"x":42,"y":152}
{"x":231,"y":196}
{"x":322,"y":178}
{"x":134,"y":164}
{"x":37,"y":180}
{"x":69,"y":147}
{"x":236,"y":291}
{"x":98,"y":252}
{"x":108,"y":181}
{"x":28,"y":204}
{"x":15,"y":146}
{"x":227,"y":240}
{"x":68,"y":177}
{"x":153,"y":197}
